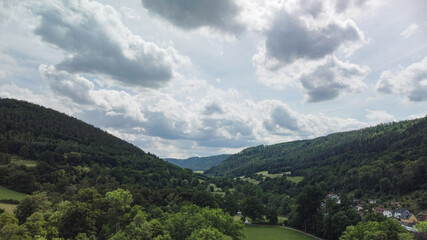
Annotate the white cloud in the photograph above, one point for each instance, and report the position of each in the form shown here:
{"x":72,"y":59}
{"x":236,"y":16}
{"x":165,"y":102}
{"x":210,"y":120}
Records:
{"x":410,"y":82}
{"x":81,"y":91}
{"x":6,"y":64}
{"x":300,"y":50}
{"x":44,"y":99}
{"x":377,"y":117}
{"x":321,"y":80}
{"x":97,"y":42}
{"x":73,"y":86}
{"x":409,"y":31}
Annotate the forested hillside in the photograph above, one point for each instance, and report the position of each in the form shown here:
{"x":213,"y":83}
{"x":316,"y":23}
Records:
{"x":87,"y":184}
{"x":70,"y":152}
{"x":388,"y":158}
{"x":199,"y":163}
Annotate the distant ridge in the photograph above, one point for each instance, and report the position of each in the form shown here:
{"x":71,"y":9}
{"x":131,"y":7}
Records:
{"x":199,"y":163}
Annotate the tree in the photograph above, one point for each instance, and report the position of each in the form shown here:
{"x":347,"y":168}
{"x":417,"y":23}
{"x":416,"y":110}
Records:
{"x":230,"y":203}
{"x":253,"y":208}
{"x":308,"y":204}
{"x":421,"y":230}
{"x":36,"y":225}
{"x":192,"y":218}
{"x":388,"y":229}
{"x":385,"y":185}
{"x":30,"y":204}
{"x":9,"y":228}
{"x":120,"y":201}
{"x":208,"y":234}
{"x":271,"y":215}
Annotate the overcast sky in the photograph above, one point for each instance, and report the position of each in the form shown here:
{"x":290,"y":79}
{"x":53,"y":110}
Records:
{"x":183,"y":78}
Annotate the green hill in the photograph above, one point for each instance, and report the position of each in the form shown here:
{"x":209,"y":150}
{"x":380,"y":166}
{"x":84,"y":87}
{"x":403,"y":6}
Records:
{"x":198,"y":163}
{"x":68,"y":152}
{"x":391,"y":158}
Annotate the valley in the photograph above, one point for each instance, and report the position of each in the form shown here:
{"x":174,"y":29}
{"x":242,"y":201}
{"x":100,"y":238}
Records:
{"x":54,"y":167}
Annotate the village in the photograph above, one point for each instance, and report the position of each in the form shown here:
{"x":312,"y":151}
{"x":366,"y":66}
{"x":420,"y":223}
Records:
{"x":406,"y":218}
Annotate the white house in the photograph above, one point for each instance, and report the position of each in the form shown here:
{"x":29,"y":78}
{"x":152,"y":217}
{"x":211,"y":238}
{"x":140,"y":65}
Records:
{"x":387,"y":213}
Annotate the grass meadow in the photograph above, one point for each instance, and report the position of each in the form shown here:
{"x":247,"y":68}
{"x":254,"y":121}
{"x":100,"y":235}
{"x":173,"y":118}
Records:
{"x":258,"y":232}
{"x":10,"y":194}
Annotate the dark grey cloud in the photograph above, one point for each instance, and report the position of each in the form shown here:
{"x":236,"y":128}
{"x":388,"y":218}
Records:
{"x":96,"y":42}
{"x":328,"y":80}
{"x":289,"y":38}
{"x":281,"y":118}
{"x":411,"y":82}
{"x":191,"y":14}
{"x":212,"y":108}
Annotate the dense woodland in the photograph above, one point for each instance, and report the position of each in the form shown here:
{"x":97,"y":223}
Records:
{"x":88,"y":184}
{"x":388,"y":159}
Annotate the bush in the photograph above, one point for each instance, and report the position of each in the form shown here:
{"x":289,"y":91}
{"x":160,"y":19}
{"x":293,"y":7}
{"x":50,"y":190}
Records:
{"x":9,"y":201}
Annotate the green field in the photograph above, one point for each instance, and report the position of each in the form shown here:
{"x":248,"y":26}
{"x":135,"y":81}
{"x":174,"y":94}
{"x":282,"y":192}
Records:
{"x":8,"y":207}
{"x":10,"y":194}
{"x":266,"y":174}
{"x":28,"y":163}
{"x":274,"y":233}
{"x":256,"y":182}
{"x":295,"y":179}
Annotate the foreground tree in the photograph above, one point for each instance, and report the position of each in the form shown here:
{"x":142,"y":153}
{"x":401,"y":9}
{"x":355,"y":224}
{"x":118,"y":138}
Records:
{"x":191,"y":220}
{"x":388,"y":229}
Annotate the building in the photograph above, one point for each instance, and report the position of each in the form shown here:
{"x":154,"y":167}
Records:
{"x":422,"y":216}
{"x":379,"y":210}
{"x":410,"y":221}
{"x":402,"y":213}
{"x":334,"y":197}
{"x":387,"y":213}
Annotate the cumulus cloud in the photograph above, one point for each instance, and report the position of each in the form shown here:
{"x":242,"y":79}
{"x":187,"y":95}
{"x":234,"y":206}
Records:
{"x":189,"y":14}
{"x":287,"y":124}
{"x":213,"y":108}
{"x":44,"y":99}
{"x":332,"y":77}
{"x":300,"y":49}
{"x":321,"y":80}
{"x":409,"y":31}
{"x":377,"y":117}
{"x":97,"y":42}
{"x":81,"y":91}
{"x":73,"y":86}
{"x":291,"y":37}
{"x":410,"y":82}
{"x":281,"y":117}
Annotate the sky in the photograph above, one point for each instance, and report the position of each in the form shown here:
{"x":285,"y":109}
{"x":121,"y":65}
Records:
{"x":183,"y":78}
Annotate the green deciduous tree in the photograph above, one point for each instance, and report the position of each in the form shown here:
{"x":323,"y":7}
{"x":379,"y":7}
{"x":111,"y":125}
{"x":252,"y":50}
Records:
{"x":253,"y":208}
{"x":120,"y":201}
{"x":388,"y":229}
{"x":308,"y":204}
{"x":208,"y":234}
